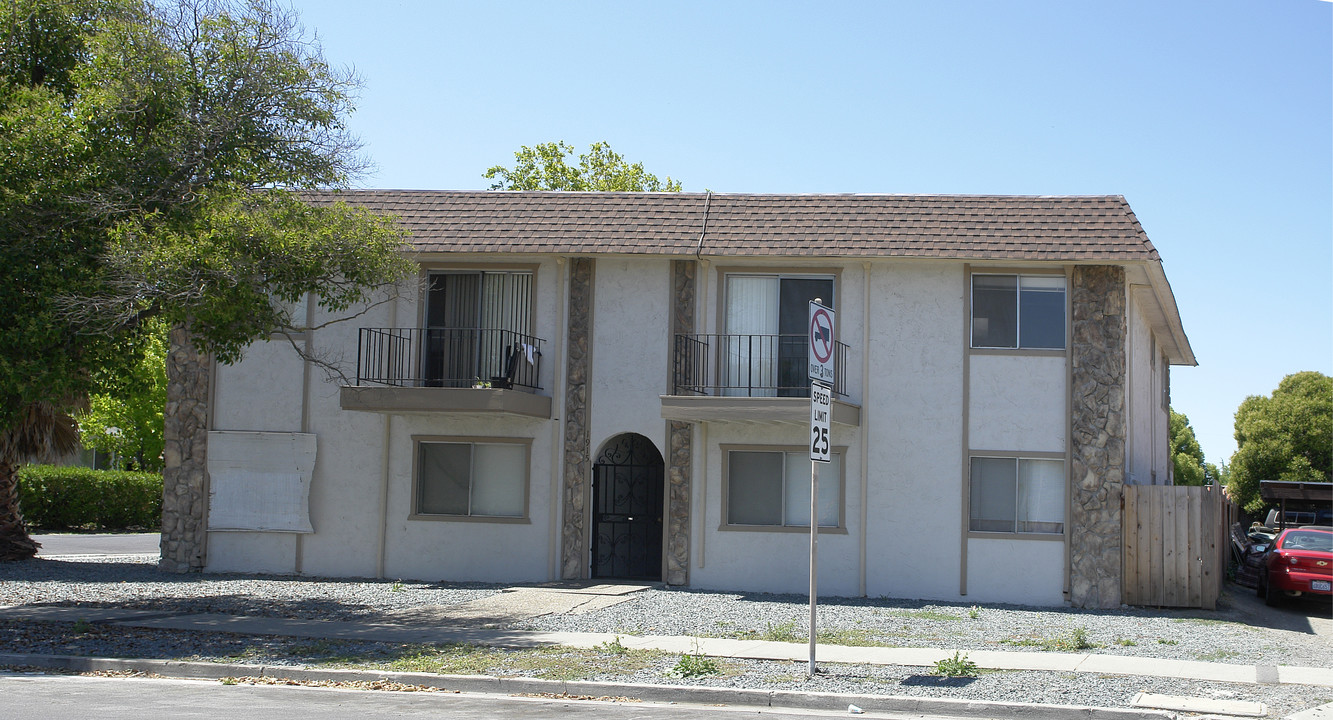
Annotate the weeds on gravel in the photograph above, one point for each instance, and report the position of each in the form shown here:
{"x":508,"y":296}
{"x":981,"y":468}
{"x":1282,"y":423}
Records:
{"x":1161,"y":641}
{"x":613,"y":647}
{"x":1125,"y":642}
{"x":1076,"y":639}
{"x":848,"y":636}
{"x":925,"y":615}
{"x":974,"y":612}
{"x":782,"y":632}
{"x":551,"y":663}
{"x":82,"y":626}
{"x":956,"y":666}
{"x":694,"y":664}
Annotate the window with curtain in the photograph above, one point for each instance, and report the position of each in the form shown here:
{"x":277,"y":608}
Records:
{"x":472,"y":479}
{"x":474,"y":321}
{"x":1017,"y":495}
{"x":765,"y":487}
{"x":766,"y":319}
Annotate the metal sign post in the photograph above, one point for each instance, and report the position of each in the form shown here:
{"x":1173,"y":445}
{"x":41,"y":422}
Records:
{"x":821,"y":404}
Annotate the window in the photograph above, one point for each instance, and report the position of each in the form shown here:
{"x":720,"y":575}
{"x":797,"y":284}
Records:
{"x":475,"y":321}
{"x":472,"y":479}
{"x":772,"y":488}
{"x":1018,"y":311}
{"x":1022,"y":495}
{"x":767,"y":323}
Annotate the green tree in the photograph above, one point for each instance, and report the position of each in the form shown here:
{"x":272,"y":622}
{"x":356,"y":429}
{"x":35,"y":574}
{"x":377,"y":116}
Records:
{"x":150,"y":158}
{"x":1186,"y":455}
{"x":124,"y":419}
{"x":1288,"y":437}
{"x":546,"y":167}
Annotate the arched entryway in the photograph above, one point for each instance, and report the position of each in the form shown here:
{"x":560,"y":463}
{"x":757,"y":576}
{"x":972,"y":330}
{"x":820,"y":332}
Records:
{"x":627,"y":509}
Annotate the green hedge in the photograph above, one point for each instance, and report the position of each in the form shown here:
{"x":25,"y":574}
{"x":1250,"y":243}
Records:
{"x":76,"y":498}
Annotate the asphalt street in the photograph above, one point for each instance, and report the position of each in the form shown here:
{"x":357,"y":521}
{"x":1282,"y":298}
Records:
{"x":108,"y":544}
{"x":58,"y":697}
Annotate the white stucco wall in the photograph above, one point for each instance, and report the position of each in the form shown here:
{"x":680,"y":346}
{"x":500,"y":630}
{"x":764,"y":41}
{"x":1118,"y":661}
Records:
{"x":913,"y":342}
{"x":774,"y":560}
{"x":466,"y":549}
{"x":1017,"y":403}
{"x":631,"y":349}
{"x":1028,"y":572}
{"x":914,"y":407}
{"x":261,"y":392}
{"x":1147,"y":423}
{"x":356,"y":471}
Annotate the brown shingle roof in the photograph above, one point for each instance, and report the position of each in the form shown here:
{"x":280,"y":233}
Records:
{"x":989,"y":227}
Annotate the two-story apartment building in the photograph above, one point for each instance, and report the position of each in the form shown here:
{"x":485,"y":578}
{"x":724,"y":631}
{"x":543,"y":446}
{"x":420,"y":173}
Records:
{"x":613,"y":385}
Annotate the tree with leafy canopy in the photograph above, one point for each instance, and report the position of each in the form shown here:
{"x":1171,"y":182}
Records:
{"x":124,"y":418}
{"x":1287,"y":437}
{"x":546,"y":167}
{"x":151,"y":156}
{"x":1186,"y":454}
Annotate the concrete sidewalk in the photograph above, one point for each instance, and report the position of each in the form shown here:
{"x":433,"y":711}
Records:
{"x":415,"y":632}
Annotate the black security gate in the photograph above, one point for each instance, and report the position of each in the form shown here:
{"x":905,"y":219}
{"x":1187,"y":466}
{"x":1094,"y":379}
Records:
{"x":627,"y":510}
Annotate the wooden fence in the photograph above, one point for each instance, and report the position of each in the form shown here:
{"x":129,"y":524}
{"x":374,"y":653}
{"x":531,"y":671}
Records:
{"x":1175,"y":545}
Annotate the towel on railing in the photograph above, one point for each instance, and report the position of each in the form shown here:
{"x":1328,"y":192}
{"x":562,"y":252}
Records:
{"x":529,"y":353}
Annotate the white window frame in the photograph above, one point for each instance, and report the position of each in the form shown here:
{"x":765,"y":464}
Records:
{"x":1018,"y":310}
{"x":472,"y":442}
{"x":790,"y":453}
{"x":1017,"y":458}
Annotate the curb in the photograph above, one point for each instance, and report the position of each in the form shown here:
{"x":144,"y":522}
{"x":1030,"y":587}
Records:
{"x":835,"y":702}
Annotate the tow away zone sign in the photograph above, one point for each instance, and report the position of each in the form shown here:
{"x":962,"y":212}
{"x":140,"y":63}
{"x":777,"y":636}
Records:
{"x":821,"y":343}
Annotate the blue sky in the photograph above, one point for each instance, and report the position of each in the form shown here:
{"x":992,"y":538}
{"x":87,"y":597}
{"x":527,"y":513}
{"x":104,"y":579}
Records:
{"x":1214,"y":119}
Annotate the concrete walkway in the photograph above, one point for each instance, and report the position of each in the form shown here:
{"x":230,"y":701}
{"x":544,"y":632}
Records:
{"x":405,"y":630}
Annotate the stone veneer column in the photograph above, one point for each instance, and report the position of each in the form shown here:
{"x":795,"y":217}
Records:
{"x":185,"y":440}
{"x":574,"y":559}
{"x":1098,"y":437}
{"x":680,"y":452}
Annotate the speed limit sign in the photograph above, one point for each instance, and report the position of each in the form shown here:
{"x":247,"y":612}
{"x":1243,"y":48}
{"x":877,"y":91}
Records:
{"x":821,"y":402}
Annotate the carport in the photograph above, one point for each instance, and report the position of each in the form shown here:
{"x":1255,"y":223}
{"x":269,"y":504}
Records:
{"x":1305,"y":494}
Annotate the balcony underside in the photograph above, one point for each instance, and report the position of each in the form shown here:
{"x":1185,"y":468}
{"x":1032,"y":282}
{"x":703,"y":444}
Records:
{"x":707,"y":408}
{"x":475,"y":401}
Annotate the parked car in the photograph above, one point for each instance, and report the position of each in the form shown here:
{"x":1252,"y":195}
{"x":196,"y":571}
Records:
{"x":1299,"y":562}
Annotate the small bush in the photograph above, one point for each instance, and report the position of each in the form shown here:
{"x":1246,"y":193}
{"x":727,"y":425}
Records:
{"x":956,"y":666}
{"x":76,"y":498}
{"x":695,"y":665}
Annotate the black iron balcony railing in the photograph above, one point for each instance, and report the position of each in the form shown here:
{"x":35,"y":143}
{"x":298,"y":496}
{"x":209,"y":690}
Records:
{"x":749,"y":366}
{"x":448,"y":357}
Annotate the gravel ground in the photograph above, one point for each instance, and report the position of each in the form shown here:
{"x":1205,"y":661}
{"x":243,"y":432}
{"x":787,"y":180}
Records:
{"x":134,"y":582}
{"x":1222,"y":636}
{"x":1168,"y":634}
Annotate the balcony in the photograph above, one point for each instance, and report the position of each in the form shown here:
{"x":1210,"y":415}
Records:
{"x":464,"y":370}
{"x":760,"y":378}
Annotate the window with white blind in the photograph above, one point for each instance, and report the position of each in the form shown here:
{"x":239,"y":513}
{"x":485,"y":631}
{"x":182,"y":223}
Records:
{"x":1017,"y":495}
{"x":772,"y":488}
{"x":767,"y":318}
{"x":471,"y":479}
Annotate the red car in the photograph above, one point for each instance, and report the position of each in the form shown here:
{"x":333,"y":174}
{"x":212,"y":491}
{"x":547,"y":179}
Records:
{"x":1299,"y":562}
